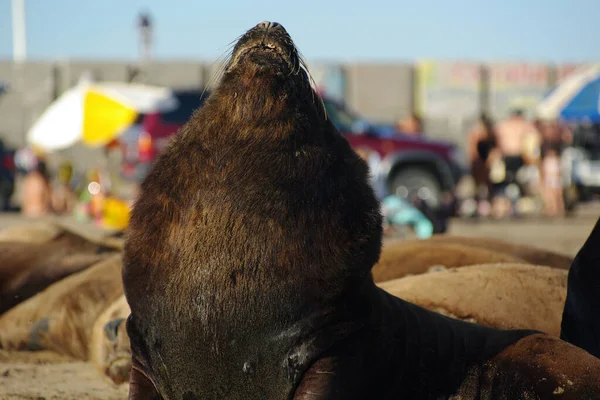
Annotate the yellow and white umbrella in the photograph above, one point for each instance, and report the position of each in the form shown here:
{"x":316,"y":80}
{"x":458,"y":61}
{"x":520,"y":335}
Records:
{"x":96,"y":113}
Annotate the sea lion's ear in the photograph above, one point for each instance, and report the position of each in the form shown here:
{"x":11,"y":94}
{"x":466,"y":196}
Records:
{"x":140,"y":387}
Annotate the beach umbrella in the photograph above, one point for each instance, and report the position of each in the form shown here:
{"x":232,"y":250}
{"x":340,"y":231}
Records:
{"x":576,"y":99}
{"x":96,"y":113}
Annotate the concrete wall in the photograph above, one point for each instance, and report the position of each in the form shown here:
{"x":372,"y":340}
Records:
{"x":448,"y":94}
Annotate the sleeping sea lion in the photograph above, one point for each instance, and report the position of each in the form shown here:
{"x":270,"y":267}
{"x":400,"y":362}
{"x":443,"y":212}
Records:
{"x":247,"y":266}
{"x":410,"y":257}
{"x":581,"y":316}
{"x":506,"y":296}
{"x":26,"y":268}
{"x":35,"y":232}
{"x":531,"y":254}
{"x":61,"y":318}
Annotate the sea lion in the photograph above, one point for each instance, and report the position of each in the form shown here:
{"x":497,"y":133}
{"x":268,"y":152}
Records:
{"x":409,"y":257}
{"x":531,"y":254}
{"x":247,"y":266}
{"x":27,"y":268}
{"x":61,"y":318}
{"x":506,"y":296}
{"x":109,"y":347}
{"x":581,"y":316}
{"x":37,"y":232}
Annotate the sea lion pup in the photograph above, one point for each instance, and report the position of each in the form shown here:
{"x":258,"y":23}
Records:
{"x":28,"y":268}
{"x":506,"y":296}
{"x":581,"y":316}
{"x":247,"y":266}
{"x":61,"y":318}
{"x":109,"y":347}
{"x":411,"y":257}
{"x":531,"y":254}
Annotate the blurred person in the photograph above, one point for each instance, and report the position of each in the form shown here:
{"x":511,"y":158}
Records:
{"x":512,"y":135}
{"x":63,"y":196}
{"x":552,"y":188}
{"x":481,"y":142}
{"x":554,"y":138}
{"x":412,"y":125}
{"x":36,"y":194}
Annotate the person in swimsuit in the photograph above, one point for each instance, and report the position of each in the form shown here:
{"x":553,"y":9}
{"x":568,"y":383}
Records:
{"x":481,"y":142}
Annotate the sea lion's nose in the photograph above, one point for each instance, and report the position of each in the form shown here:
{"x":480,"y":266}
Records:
{"x":266,"y":25}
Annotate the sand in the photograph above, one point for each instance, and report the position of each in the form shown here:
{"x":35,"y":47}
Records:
{"x":46,"y":376}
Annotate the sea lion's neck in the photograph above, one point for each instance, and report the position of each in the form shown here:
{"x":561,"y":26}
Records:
{"x":267,"y":110}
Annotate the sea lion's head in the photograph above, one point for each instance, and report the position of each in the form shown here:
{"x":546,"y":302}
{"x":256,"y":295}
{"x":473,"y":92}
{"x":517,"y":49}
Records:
{"x":249,"y":249}
{"x":266,"y":76}
{"x":265,"y":46}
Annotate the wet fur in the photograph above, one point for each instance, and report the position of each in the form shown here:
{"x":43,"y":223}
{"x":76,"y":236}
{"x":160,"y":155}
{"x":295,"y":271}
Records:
{"x":413,"y":257}
{"x":248,"y":256}
{"x":27,"y":268}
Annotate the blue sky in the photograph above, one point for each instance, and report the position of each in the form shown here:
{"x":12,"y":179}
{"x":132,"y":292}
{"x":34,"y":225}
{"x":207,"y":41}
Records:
{"x":345,"y":30}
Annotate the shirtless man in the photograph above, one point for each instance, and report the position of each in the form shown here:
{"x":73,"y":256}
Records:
{"x":511,"y":135}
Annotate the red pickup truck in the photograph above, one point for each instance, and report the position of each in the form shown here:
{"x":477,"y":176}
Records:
{"x":407,"y":164}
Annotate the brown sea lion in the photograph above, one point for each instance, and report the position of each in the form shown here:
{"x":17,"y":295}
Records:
{"x":409,"y":257}
{"x":581,"y":316}
{"x":248,"y":257}
{"x":531,"y":254}
{"x":35,"y":232}
{"x":26,"y":268}
{"x":109,"y":347}
{"x":506,"y":296}
{"x":61,"y":318}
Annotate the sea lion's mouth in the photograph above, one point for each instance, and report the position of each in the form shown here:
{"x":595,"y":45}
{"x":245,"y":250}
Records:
{"x":267,"y":44}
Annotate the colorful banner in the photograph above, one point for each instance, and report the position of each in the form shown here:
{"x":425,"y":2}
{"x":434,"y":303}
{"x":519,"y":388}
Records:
{"x":517,"y":85}
{"x":564,"y":70}
{"x":448,"y":89}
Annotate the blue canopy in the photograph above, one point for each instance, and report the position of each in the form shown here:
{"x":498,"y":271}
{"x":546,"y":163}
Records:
{"x":577,"y":99}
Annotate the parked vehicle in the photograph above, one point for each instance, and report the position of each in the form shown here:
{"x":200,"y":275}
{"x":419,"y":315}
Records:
{"x":152,"y":132}
{"x":407,"y":164}
{"x":581,"y":161}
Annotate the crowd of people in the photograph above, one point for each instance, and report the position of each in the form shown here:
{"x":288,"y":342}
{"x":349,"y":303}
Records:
{"x":498,"y":151}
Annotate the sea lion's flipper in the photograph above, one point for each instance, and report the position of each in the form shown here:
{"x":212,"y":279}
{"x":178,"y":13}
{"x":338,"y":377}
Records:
{"x":581,"y":316}
{"x":140,"y":387}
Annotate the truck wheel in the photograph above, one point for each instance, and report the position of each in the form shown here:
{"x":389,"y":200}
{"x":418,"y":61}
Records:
{"x":419,"y":180}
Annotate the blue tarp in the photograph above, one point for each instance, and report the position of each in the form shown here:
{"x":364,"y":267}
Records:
{"x":585,"y":104}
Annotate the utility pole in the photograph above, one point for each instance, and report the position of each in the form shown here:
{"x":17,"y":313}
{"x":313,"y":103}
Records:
{"x":19,"y":31}
{"x":145,"y":28}
{"x":19,"y":54}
